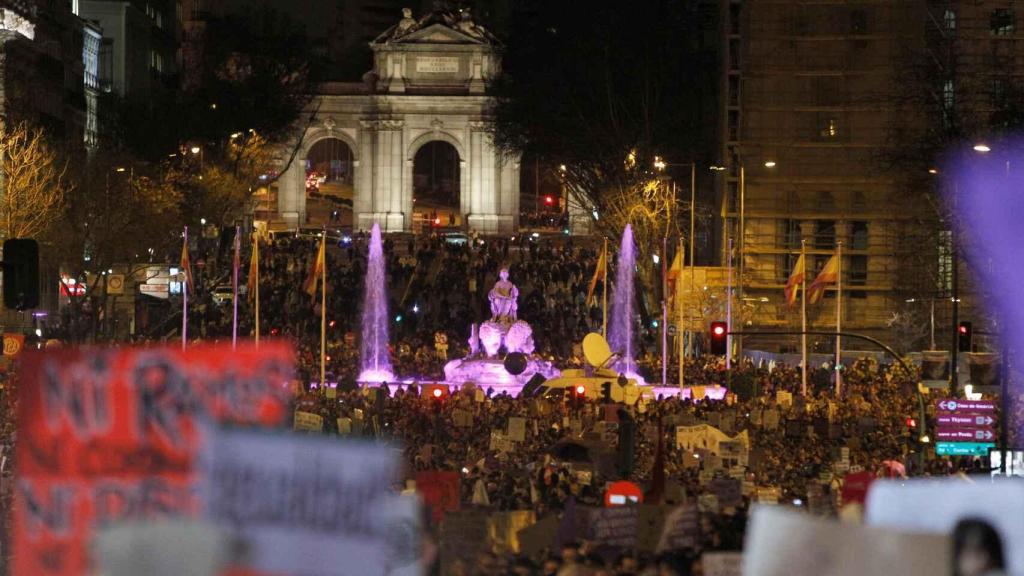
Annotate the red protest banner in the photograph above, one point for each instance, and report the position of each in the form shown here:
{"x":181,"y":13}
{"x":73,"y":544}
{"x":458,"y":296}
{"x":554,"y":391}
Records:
{"x":112,"y":434}
{"x":440,"y":491}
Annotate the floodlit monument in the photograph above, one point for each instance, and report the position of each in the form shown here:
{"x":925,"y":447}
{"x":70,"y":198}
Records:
{"x":428,"y":85}
{"x":504,"y":332}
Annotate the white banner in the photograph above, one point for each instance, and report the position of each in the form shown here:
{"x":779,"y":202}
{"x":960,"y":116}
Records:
{"x":707,"y":437}
{"x":310,"y":505}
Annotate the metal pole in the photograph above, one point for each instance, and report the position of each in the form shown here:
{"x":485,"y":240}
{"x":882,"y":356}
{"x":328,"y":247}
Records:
{"x":604,"y":293}
{"x":954,"y":352}
{"x":933,"y":325}
{"x":728,"y":311}
{"x":664,"y":310}
{"x":1004,"y":402}
{"x":234,"y":288}
{"x":680,"y":332}
{"x":743,"y":254}
{"x":839,"y":317}
{"x":184,"y":296}
{"x":803,"y":318}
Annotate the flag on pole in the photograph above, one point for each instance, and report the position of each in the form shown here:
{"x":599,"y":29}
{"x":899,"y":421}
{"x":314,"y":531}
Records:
{"x":599,"y":273}
{"x":828,"y":275}
{"x":186,"y":266}
{"x":673,"y":274}
{"x":316,"y":270}
{"x":254,"y":268}
{"x":796,"y":279}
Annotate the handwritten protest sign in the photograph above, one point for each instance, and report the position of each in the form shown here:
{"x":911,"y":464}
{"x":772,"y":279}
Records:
{"x":784,"y":398}
{"x":439,"y":490}
{"x":309,"y":504}
{"x":706,"y":437}
{"x":517,"y":429}
{"x":107,"y":435}
{"x":681,"y":530}
{"x":308,"y":422}
{"x":614,"y":526}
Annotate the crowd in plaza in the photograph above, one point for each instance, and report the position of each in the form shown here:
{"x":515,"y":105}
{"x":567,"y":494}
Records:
{"x":548,"y":456}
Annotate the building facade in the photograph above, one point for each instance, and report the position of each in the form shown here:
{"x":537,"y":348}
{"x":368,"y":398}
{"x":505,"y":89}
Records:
{"x":428,"y":85}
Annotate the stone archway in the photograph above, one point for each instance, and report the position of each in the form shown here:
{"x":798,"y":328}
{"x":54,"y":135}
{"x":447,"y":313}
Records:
{"x":417,"y":148}
{"x":329,"y":182}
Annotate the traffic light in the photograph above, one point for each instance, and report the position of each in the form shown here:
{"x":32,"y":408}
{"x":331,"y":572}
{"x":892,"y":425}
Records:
{"x":911,"y":423}
{"x":21,"y":273}
{"x":606,"y":392}
{"x":719,"y":333}
{"x":964,"y":334}
{"x":549,"y":200}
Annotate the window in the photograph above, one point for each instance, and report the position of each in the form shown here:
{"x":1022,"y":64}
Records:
{"x":828,"y":128}
{"x":825,"y":234}
{"x":156,"y":61}
{"x":858,"y":275}
{"x":1000,"y":92}
{"x":789,"y":234}
{"x":949,"y":19}
{"x":858,"y":22}
{"x":1001,"y":22}
{"x":948,"y":95}
{"x":826,"y":202}
{"x":784,"y":267}
{"x":859,"y":201}
{"x":858,"y":235}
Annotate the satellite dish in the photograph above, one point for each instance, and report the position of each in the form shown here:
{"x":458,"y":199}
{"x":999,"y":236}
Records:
{"x":515,"y":363}
{"x":596,"y":350}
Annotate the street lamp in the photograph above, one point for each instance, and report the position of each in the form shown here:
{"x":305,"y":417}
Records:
{"x":982,"y":147}
{"x":769,"y":164}
{"x":195,"y":149}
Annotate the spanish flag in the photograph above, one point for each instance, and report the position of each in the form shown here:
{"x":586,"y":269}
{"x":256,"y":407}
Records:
{"x":796,"y":279}
{"x":599,"y":273}
{"x":828,"y":275}
{"x":316,"y":269}
{"x":186,"y":265}
{"x":254,"y":268}
{"x":673,"y":274}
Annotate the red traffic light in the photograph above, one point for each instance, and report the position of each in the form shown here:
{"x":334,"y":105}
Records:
{"x":911,"y":423}
{"x":581,"y":389}
{"x":437,"y":393}
{"x":963,"y":329}
{"x":549,"y":200}
{"x":718,"y":329}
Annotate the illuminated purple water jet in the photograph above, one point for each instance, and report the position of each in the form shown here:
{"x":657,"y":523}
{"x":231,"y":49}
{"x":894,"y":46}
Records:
{"x":375,"y":363}
{"x":621,"y":324}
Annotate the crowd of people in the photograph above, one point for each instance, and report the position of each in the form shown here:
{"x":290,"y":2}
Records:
{"x":796,"y":449}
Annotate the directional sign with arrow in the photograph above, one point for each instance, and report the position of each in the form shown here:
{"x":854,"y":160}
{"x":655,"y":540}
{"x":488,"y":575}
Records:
{"x":964,"y":420}
{"x":966,"y":434}
{"x":964,"y":426}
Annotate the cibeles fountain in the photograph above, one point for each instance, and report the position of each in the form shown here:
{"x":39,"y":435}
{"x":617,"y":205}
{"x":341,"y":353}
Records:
{"x":495,"y":340}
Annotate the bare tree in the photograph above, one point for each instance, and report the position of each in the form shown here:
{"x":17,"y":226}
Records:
{"x":33,"y":184}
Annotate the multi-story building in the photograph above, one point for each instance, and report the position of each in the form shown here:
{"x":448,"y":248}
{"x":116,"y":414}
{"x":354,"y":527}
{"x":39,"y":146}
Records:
{"x":41,"y":67}
{"x":140,"y":53}
{"x":821,"y":99}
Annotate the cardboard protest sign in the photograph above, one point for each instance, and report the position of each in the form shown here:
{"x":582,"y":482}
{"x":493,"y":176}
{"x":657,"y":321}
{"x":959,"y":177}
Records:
{"x":109,"y":435}
{"x":706,"y":437}
{"x":500,"y":442}
{"x":770,"y":418}
{"x":439,"y":490}
{"x":681,"y":529}
{"x":308,"y":422}
{"x":516,"y":429}
{"x":784,"y":398}
{"x":344,"y":426}
{"x":728,"y":491}
{"x":309,"y":504}
{"x":785,"y":543}
{"x":462,"y":418}
{"x":936,"y":506}
{"x":614,"y":526}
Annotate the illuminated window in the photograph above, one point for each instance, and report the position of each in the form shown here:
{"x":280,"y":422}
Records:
{"x":1001,"y":22}
{"x":948,"y":95}
{"x":949,"y":19}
